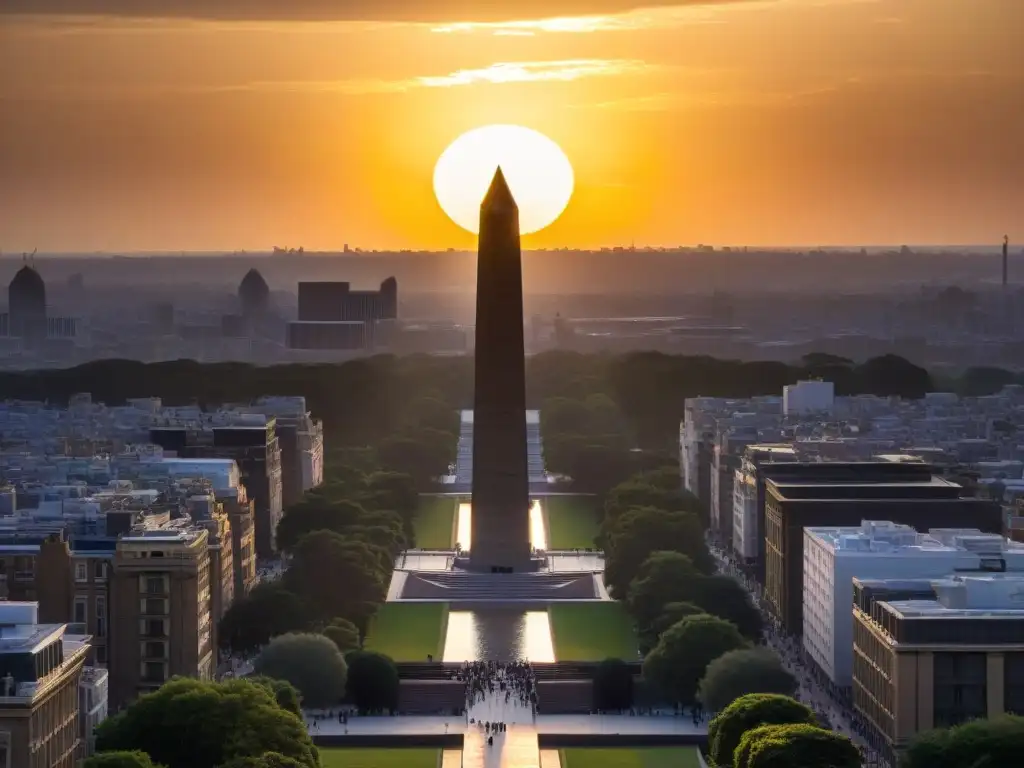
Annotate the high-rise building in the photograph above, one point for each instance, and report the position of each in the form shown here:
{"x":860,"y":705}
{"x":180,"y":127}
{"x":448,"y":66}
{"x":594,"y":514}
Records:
{"x":40,"y":670}
{"x":501,"y":498}
{"x":253,"y":295}
{"x":162,"y":589}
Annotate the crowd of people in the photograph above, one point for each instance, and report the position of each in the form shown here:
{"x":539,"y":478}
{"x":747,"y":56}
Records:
{"x":832,"y":710}
{"x":512,"y":680}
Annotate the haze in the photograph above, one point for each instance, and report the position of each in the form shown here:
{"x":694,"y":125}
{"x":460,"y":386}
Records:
{"x":784,"y":123}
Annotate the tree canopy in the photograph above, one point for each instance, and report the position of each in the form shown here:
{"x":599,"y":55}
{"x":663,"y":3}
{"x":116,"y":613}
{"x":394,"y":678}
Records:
{"x":737,"y":673}
{"x":267,"y":611}
{"x":285,"y":694}
{"x":311,"y":663}
{"x":991,"y":743}
{"x":372,"y":681}
{"x":613,"y":685}
{"x":797,"y":744}
{"x":344,"y":634}
{"x":679,"y":660}
{"x":133,"y":759}
{"x":195,"y":724}
{"x":266,"y":760}
{"x":747,"y":713}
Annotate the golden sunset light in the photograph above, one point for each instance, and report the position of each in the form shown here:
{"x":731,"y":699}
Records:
{"x":536,"y":169}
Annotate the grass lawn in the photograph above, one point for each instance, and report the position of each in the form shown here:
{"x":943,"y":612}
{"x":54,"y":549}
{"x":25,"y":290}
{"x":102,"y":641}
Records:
{"x":435,"y":522}
{"x":344,"y":757}
{"x":409,"y":631}
{"x":592,"y":632}
{"x":572,"y":521}
{"x":646,"y":757}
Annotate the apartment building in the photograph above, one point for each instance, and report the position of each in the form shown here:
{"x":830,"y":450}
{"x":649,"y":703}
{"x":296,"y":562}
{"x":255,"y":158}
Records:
{"x":161,"y":591}
{"x":937,"y":653}
{"x":835,"y":556}
{"x":40,"y":670}
{"x":903,"y":493}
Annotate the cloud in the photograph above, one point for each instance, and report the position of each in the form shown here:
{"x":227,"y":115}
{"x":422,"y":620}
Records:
{"x":427,"y":11}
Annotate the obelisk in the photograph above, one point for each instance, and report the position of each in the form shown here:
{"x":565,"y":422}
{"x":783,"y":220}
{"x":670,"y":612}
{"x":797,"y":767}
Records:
{"x":501,"y":486}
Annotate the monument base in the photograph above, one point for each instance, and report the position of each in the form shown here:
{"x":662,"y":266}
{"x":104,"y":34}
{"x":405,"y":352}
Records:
{"x":530,"y":565}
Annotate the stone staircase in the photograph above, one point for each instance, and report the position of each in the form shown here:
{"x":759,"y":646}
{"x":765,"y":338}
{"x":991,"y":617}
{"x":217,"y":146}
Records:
{"x":431,"y":697}
{"x":565,"y":697}
{"x":492,"y":587}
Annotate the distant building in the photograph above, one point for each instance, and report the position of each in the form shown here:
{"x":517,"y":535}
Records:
{"x":336,"y":302}
{"x":253,"y":295}
{"x":807,"y":397}
{"x":26,"y":305}
{"x":936,"y":653}
{"x":93,"y":705}
{"x":61,"y":327}
{"x":40,"y":670}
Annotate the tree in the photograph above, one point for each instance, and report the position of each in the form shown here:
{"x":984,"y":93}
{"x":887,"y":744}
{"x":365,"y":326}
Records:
{"x":316,"y":513}
{"x":284,"y":693}
{"x":747,"y":713}
{"x":679,"y":660}
{"x":266,"y":760}
{"x":991,"y":743}
{"x":663,"y":578}
{"x":133,"y":759}
{"x":785,"y":746}
{"x":267,"y":611}
{"x":372,"y":681}
{"x":344,"y":634}
{"x":613,"y":685}
{"x":672,"y":613}
{"x":423,"y":455}
{"x":723,"y":596}
{"x":195,"y":724}
{"x":641,"y":531}
{"x":639,"y":492}
{"x":340,"y":577}
{"x":312,"y":663}
{"x":737,"y":673}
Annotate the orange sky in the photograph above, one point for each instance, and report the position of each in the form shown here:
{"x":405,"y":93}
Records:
{"x":778,"y":122}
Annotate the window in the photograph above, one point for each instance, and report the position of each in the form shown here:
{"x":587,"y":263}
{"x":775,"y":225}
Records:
{"x":81,"y":572}
{"x":154,"y":606}
{"x":154,"y":672}
{"x":154,"y":585}
{"x":101,"y":616}
{"x":100,"y":570}
{"x":155,"y":649}
{"x":101,"y":654}
{"x":154,"y":628}
{"x":81,"y":606}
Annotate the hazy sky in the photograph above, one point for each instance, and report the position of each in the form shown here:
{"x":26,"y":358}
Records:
{"x":251,"y":123}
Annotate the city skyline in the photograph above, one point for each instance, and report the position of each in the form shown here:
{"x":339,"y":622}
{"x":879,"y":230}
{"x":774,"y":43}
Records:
{"x":787,"y":123}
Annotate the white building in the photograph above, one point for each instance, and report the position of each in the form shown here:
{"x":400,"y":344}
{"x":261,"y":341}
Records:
{"x":834,"y":556}
{"x":747,"y":493}
{"x":806,"y":397}
{"x":92,"y":704}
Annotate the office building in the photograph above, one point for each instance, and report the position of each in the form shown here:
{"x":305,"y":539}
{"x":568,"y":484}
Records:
{"x":93,"y":705}
{"x":40,"y":671}
{"x":835,"y":556}
{"x":937,"y":653}
{"x":902,"y":493}
{"x":301,"y":438}
{"x":748,"y":499}
{"x":162,"y":594}
{"x":327,"y":302}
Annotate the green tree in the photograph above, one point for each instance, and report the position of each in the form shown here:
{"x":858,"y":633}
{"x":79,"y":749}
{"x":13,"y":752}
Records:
{"x":284,"y":693}
{"x":340,"y":577}
{"x":372,"y":681}
{"x":672,"y":614}
{"x":266,"y":760}
{"x":737,"y":673}
{"x":195,"y":724}
{"x":267,"y":611}
{"x":679,"y":660}
{"x":747,"y":713}
{"x":641,"y":531}
{"x":423,"y":454}
{"x":663,"y":578}
{"x":639,"y":492}
{"x":785,"y":746}
{"x":723,"y":596}
{"x":316,"y":513}
{"x":991,"y":743}
{"x":133,"y":759}
{"x":312,"y":663}
{"x":613,"y":685}
{"x":344,"y":634}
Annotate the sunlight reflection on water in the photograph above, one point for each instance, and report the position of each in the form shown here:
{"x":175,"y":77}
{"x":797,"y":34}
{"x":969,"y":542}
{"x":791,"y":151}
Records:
{"x":464,"y":526}
{"x":498,"y":635}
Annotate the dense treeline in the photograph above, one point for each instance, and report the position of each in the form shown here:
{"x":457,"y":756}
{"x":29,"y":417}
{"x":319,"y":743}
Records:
{"x":359,"y":400}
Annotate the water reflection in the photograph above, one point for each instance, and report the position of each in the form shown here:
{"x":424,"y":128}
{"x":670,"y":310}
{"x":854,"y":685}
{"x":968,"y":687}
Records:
{"x":498,"y":635}
{"x":464,"y":526}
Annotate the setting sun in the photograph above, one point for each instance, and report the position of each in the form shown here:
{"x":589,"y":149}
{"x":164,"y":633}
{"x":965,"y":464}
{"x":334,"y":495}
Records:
{"x":537,"y":170}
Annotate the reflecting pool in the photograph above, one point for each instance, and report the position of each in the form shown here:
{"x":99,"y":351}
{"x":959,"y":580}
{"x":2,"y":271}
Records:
{"x":464,"y":526}
{"x":498,"y":635}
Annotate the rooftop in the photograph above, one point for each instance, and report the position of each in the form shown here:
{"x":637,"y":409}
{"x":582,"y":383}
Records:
{"x":968,"y":597}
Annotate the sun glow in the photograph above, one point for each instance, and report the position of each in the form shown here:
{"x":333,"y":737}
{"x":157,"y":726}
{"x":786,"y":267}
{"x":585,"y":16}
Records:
{"x":536,"y":169}
{"x":464,"y":526}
